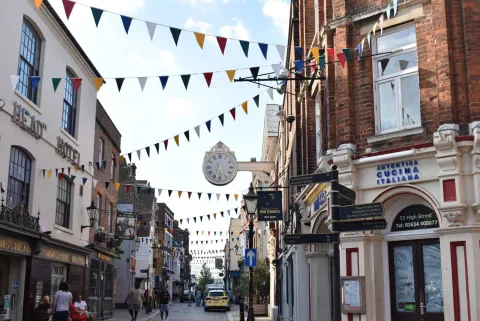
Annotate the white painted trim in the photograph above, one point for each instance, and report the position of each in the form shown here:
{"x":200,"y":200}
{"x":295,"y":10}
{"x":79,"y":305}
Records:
{"x":394,"y":135}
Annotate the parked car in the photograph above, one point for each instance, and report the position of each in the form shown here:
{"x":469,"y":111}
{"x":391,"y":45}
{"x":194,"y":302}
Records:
{"x":184,"y":296}
{"x":217,"y":299}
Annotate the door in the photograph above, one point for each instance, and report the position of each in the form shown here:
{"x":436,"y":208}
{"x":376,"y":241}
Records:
{"x":416,"y":281}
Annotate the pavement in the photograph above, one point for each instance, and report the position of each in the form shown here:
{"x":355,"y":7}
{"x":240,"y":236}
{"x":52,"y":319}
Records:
{"x":234,"y":315}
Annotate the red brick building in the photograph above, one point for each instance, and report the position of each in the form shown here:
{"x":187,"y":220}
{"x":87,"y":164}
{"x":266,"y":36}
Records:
{"x":400,"y":120}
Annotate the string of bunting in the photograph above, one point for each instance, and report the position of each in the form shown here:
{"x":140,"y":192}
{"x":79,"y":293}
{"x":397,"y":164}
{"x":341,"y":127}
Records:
{"x":208,"y":124}
{"x":151,"y":27}
{"x":142,"y":80}
{"x":214,"y":215}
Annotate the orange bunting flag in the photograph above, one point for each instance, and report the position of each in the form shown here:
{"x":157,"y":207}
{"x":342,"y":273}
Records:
{"x":202,"y":233}
{"x":38,"y":3}
{"x":231,"y":74}
{"x":49,"y":173}
{"x":176,"y":140}
{"x":117,"y":186}
{"x":236,"y":196}
{"x":315,"y":54}
{"x":98,"y":82}
{"x":180,"y":194}
{"x":245,"y":107}
{"x":200,"y":38}
{"x":215,"y":215}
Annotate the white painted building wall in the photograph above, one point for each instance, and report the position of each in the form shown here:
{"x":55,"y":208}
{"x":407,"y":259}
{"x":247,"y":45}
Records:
{"x":57,"y":53}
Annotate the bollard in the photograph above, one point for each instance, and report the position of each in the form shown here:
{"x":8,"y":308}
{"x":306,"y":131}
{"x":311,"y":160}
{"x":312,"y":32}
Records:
{"x":242,"y":311}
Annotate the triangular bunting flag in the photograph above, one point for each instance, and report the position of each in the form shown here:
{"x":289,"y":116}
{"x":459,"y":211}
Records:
{"x":315,"y":53}
{"x":199,"y":195}
{"x":130,"y":157}
{"x":35,"y":80}
{"x":321,"y":64}
{"x":245,"y":107}
{"x":221,"y":213}
{"x":14,"y":79}
{"x":197,"y":130}
{"x":388,"y":11}
{"x":395,"y":7}
{"x":200,"y":38}
{"x":209,"y":196}
{"x":56,"y":82}
{"x":98,"y":82}
{"x":119,"y":83}
{"x":151,"y":28}
{"x":68,"y":6}
{"x":208,"y":124}
{"x":201,"y":220}
{"x":236,"y":211}
{"x":163,"y":81}
{"x":215,"y":217}
{"x":341,"y":58}
{"x":176,"y":138}
{"x":281,"y":52}
{"x":231,"y":74}
{"x":299,"y":52}
{"x":107,"y":184}
{"x":232,"y":112}
{"x":127,"y":21}
{"x":277,"y":68}
{"x":181,"y":221}
{"x":208,"y":77}
{"x":169,"y":192}
{"x":165,"y":143}
{"x":299,"y":65}
{"x":222,"y":43}
{"x":256,"y":99}
{"x":159,"y":192}
{"x":117,"y":186}
{"x":179,"y":194}
{"x":270,"y":92}
{"x":189,"y":194}
{"x":157,"y":147}
{"x":263,"y":49}
{"x":38,"y":3}
{"x":331,"y":54}
{"x":142,"y":81}
{"x":187,"y":135}
{"x":254,"y":71}
{"x":245,"y":45}
{"x":346,"y":53}
{"x":221,"y":117}
{"x":76,"y":83}
{"x":49,"y":173}
{"x":84,"y":180}
{"x":97,"y":14}
{"x":218,"y":196}
{"x":185,"y":79}
{"x":208,"y":215}
{"x":175,"y":34}
{"x":147,"y":149}
{"x":138,"y":153}
{"x":236,"y":196}
{"x":227,"y":196}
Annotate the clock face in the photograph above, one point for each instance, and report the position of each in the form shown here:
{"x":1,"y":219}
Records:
{"x":220,"y":168}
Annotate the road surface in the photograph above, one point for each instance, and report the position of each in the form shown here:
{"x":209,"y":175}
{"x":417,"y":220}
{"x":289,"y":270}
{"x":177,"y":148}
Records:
{"x":182,"y":312}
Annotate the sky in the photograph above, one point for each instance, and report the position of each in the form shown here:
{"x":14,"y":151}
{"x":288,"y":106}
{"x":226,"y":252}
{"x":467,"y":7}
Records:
{"x":145,"y":118}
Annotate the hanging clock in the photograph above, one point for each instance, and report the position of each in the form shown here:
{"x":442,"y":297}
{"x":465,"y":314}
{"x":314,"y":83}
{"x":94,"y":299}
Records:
{"x":220,"y":166}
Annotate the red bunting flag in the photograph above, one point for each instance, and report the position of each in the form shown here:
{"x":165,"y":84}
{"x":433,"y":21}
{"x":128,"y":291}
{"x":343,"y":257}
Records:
{"x":128,"y":187}
{"x":165,"y":142}
{"x":331,"y":54}
{"x":232,"y":112}
{"x":208,"y":77}
{"x":222,"y":43}
{"x":68,"y":6}
{"x":76,"y":83}
{"x":189,"y":194}
{"x":341,"y":58}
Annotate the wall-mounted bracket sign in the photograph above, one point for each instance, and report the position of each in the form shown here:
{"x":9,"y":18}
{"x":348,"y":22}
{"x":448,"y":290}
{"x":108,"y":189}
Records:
{"x":361,"y":211}
{"x":415,"y":217}
{"x":293,"y":239}
{"x":67,"y":151}
{"x":269,"y":205}
{"x":353,"y":294}
{"x":355,"y":226}
{"x":27,"y":121}
{"x":310,"y":179}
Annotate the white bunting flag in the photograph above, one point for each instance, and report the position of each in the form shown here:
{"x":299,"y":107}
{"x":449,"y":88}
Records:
{"x":14,"y":79}
{"x":151,"y":28}
{"x":277,"y":68}
{"x":281,"y":52}
{"x":197,"y":130}
{"x":159,"y":190}
{"x":142,"y":81}
{"x":95,"y":181}
{"x":218,"y":196}
{"x":270,"y":92}
{"x":138,"y":153}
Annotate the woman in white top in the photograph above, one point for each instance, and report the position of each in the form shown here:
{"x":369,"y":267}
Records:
{"x":61,"y":303}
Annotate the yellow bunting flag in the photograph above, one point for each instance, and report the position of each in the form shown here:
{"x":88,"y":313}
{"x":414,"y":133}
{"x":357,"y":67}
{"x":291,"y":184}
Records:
{"x":49,"y":173}
{"x":98,"y":82}
{"x":38,"y":3}
{"x":314,"y":51}
{"x":200,"y":38}
{"x":176,"y":140}
{"x":202,"y":233}
{"x":231,"y":74}
{"x":180,"y":194}
{"x":236,"y":196}
{"x":245,"y":107}
{"x":117,"y":186}
{"x":75,"y":168}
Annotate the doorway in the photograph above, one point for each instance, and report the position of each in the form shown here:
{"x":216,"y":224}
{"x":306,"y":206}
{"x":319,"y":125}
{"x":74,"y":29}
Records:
{"x":416,"y":280}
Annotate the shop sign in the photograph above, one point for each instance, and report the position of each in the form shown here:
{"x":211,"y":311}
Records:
{"x":125,"y":227}
{"x":398,"y":172}
{"x":319,"y":201}
{"x":61,"y":256}
{"x":415,"y":217}
{"x":67,"y":151}
{"x":26,"y":121}
{"x":15,"y":246}
{"x":104,"y":257}
{"x":270,"y":206}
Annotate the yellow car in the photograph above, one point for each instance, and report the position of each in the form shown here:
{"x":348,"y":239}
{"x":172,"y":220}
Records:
{"x":217,"y":299}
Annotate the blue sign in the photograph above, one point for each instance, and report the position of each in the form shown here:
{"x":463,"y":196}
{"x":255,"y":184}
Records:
{"x":319,"y":201}
{"x":398,"y":172}
{"x":250,"y":257}
{"x":15,"y":285}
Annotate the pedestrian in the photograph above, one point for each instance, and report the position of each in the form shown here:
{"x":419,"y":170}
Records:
{"x":61,"y":303}
{"x":164,"y":299}
{"x":198,"y":298}
{"x":82,"y":307}
{"x":134,"y":300}
{"x":42,"y":312}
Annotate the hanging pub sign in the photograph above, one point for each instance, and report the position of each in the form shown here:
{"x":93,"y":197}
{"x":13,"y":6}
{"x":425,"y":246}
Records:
{"x":67,"y":151}
{"x":398,"y":172}
{"x":415,"y":217}
{"x":269,"y":206}
{"x":125,"y":227}
{"x":26,"y":121}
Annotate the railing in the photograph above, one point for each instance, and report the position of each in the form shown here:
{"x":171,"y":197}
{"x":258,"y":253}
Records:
{"x":19,"y":216}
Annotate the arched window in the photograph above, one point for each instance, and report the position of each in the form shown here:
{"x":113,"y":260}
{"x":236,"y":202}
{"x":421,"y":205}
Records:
{"x":19,"y":177}
{"x":69,"y":114}
{"x":64,"y":196}
{"x":29,"y":61}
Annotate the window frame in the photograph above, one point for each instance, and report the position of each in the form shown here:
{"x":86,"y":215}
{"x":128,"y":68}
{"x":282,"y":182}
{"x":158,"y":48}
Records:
{"x":54,"y":275}
{"x":318,"y":129}
{"x":101,"y":152}
{"x":396,"y":77}
{"x":30,"y":94}
{"x":112,"y":168}
{"x":67,"y":216}
{"x":26,"y":182}
{"x":69,"y":117}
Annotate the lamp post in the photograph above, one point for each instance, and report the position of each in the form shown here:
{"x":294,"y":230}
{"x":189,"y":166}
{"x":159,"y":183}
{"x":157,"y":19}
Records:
{"x":251,"y":200}
{"x":92,"y":215}
{"x":137,"y":245}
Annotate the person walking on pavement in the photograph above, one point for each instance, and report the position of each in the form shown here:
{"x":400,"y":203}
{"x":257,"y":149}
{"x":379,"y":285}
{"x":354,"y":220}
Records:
{"x":134,"y":300}
{"x":164,"y":299}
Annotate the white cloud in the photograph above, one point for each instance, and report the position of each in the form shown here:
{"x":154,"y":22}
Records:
{"x":123,"y":6}
{"x":195,"y":2}
{"x":237,"y":31}
{"x":197,"y":25}
{"x":156,"y":60}
{"x":279,"y":12}
{"x":178,"y":106}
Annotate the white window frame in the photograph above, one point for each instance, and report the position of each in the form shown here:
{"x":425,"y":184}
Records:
{"x":61,"y":277}
{"x":112,"y":168}
{"x":377,"y":80}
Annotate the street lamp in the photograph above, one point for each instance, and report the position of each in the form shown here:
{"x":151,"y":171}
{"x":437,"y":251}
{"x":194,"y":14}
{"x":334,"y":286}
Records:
{"x":92,"y":215}
{"x":137,"y":245}
{"x":251,"y":200}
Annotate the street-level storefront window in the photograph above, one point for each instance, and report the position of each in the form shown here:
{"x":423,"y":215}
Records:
{"x":59,"y":274}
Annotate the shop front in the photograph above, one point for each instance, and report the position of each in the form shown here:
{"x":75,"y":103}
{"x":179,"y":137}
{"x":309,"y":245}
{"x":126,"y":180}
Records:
{"x":101,"y":284}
